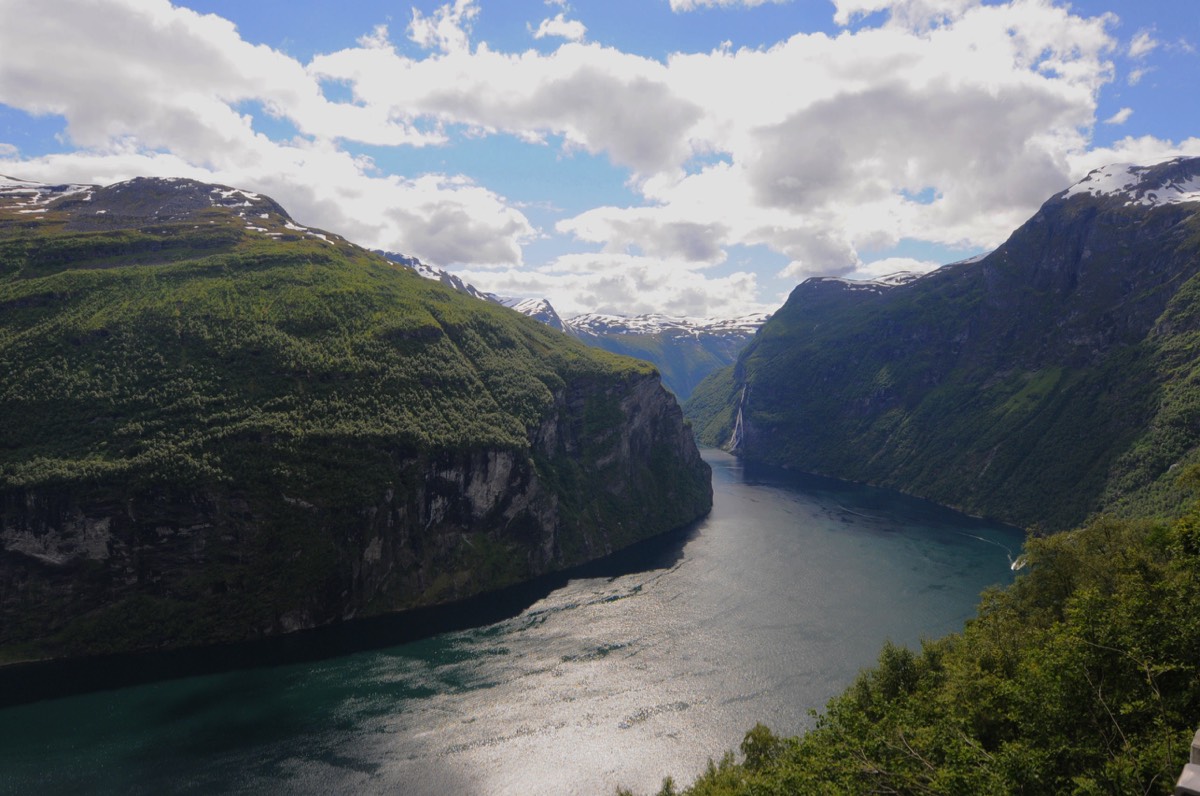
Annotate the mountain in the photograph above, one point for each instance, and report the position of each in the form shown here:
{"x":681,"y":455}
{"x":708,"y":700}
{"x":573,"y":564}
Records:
{"x":438,"y":275}
{"x":220,"y":424}
{"x":684,"y":350}
{"x":1053,"y":378}
{"x":540,"y":310}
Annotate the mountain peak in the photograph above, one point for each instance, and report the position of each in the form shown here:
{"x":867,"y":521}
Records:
{"x":1171,"y":182}
{"x":537,"y":308}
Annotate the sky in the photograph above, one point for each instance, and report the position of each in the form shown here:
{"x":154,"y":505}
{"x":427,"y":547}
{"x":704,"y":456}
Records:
{"x":689,"y":157}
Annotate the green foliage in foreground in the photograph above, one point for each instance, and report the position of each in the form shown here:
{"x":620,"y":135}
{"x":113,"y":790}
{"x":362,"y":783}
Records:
{"x":1083,"y":677}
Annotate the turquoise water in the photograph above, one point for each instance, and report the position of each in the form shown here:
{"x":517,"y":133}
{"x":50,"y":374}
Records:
{"x":626,"y":672}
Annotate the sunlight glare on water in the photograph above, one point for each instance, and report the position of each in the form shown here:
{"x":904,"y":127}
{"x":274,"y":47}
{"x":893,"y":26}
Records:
{"x":766,"y":609}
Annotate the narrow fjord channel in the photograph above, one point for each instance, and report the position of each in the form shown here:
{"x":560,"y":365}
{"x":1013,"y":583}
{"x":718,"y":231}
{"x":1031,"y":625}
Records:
{"x":761,"y":612}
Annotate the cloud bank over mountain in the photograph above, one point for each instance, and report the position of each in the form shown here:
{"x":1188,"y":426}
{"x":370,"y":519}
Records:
{"x":940,"y":121}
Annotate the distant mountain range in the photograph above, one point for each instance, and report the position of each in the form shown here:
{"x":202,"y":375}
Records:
{"x":684,"y":350}
{"x":1057,"y":376}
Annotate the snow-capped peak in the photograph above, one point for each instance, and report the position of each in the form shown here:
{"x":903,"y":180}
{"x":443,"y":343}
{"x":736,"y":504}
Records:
{"x":1171,"y":182}
{"x":598,"y":324}
{"x":539,"y":309}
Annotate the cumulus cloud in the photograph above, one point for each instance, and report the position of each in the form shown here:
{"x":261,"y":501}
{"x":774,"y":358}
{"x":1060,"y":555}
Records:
{"x":627,"y":284}
{"x":643,"y":229}
{"x":1140,"y":149}
{"x":152,"y":89}
{"x":438,"y":218}
{"x":561,"y":27}
{"x":447,"y":29}
{"x":951,"y":134}
{"x":912,"y":13}
{"x":894,"y":265}
{"x":598,"y":98}
{"x":948,"y":122}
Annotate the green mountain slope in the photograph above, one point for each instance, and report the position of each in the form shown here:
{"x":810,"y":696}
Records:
{"x":219,"y":424}
{"x":1052,"y":379}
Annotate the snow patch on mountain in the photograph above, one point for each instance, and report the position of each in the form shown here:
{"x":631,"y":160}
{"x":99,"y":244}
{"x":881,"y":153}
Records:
{"x":1172,"y":182}
{"x":597,"y":324}
{"x":438,"y":275}
{"x":538,"y":309}
{"x":27,"y":196}
{"x":589,"y":324}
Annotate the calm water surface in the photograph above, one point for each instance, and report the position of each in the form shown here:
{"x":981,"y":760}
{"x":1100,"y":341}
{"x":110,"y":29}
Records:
{"x":763,"y":611}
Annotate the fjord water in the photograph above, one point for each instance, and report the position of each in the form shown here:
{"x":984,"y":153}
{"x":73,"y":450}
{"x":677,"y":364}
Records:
{"x":628,"y":672}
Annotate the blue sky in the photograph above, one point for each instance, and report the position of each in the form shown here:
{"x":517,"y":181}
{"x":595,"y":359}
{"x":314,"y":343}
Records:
{"x":695,"y":157}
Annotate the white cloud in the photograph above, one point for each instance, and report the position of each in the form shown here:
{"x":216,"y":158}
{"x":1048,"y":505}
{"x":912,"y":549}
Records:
{"x":1120,"y":117}
{"x":911,"y":13}
{"x":626,"y":284}
{"x":377,"y":39}
{"x":893,"y":265}
{"x":692,"y":5}
{"x":599,"y":99}
{"x":152,"y":89}
{"x":1142,"y":149}
{"x":8,"y":151}
{"x":447,"y":29}
{"x":438,"y":218}
{"x":949,"y":123}
{"x":1143,"y":44}
{"x":560,"y":27}
{"x":838,"y":161}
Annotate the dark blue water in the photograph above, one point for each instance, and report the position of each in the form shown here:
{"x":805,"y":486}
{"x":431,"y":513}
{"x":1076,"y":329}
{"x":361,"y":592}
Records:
{"x":634,"y":670}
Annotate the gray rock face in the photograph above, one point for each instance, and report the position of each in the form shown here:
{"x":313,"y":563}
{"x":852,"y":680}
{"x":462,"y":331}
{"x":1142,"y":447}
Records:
{"x":453,"y":524}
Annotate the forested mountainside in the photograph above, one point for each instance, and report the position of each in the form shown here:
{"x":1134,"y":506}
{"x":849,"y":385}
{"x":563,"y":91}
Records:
{"x":1054,"y":378}
{"x":219,"y":424}
{"x":684,"y":350}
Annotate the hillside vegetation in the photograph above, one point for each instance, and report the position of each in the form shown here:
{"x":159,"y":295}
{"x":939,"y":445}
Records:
{"x":1052,"y":379}
{"x":220,"y":424}
{"x":1080,"y":678}
{"x":1053,"y":383}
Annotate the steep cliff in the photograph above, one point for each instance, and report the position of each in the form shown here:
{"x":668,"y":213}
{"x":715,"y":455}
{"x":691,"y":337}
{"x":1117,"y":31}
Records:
{"x":220,"y":424}
{"x":1051,"y":379}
